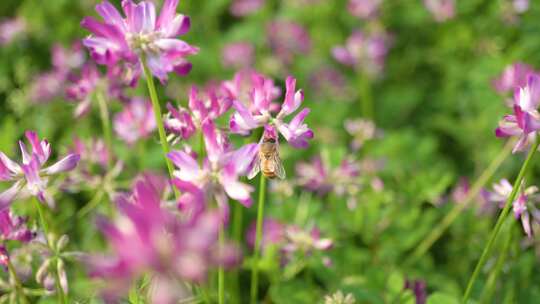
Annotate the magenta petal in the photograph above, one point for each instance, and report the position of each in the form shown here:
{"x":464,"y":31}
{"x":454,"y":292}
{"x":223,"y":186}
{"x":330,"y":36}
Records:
{"x":192,"y":199}
{"x":237,"y":190}
{"x":343,"y":56}
{"x":104,"y":30}
{"x":8,"y":168}
{"x":292,"y":99}
{"x":183,"y":68}
{"x":7,"y":197}
{"x":67,"y":163}
{"x":168,"y":11}
{"x":214,"y":148}
{"x":189,"y":168}
{"x":243,"y":158}
{"x":110,"y":14}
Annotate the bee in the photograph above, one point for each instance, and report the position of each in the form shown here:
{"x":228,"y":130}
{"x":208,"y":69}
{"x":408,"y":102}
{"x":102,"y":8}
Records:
{"x":267,"y":160}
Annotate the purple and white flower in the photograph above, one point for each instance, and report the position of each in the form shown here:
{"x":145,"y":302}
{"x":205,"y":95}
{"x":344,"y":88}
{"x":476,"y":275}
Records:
{"x":364,"y":9}
{"x":364,"y":51}
{"x":136,"y":121}
{"x":525,"y":122}
{"x":30,"y":177}
{"x":140,"y":35}
{"x":149,"y":239}
{"x":442,"y":10}
{"x":218,"y":177}
{"x":258,"y":112}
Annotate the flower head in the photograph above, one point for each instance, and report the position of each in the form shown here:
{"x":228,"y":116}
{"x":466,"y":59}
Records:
{"x":364,"y":51}
{"x":365,"y":9}
{"x":329,"y":83}
{"x":147,"y":238}
{"x":218,"y":177}
{"x":30,"y":178}
{"x":13,"y":227}
{"x":52,"y":83}
{"x":361,"y":130}
{"x":514,"y":76}
{"x":520,"y":6}
{"x":245,"y":7}
{"x":345,"y":180}
{"x":238,"y":55}
{"x":136,"y":121}
{"x":273,"y":232}
{"x":11,"y":29}
{"x":304,"y":242}
{"x":441,"y":10}
{"x":525,"y":121}
{"x":287,"y":39}
{"x":141,"y":34}
{"x":257,"y":112}
{"x":339,"y":298}
{"x":523,"y":206}
{"x":184,"y":122}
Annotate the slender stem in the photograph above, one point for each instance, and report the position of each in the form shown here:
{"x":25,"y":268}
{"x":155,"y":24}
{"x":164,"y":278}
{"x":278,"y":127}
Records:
{"x":492,"y":279}
{"x":18,"y":285}
{"x":258,"y":236}
{"x":91,"y":204}
{"x":500,"y":221}
{"x":42,"y":221}
{"x":221,"y":272}
{"x":159,"y":120}
{"x":237,"y":237}
{"x":202,"y":149}
{"x":105,"y":122}
{"x":59,"y":288}
{"x":450,"y":217}
{"x":44,"y":226}
{"x":366,"y":98}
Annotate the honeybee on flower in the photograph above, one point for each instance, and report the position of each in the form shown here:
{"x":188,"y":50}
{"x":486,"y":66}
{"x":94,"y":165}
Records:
{"x":267,"y":160}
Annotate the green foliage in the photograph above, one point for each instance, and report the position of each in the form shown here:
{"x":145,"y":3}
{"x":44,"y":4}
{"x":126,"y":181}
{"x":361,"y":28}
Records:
{"x":434,"y":104}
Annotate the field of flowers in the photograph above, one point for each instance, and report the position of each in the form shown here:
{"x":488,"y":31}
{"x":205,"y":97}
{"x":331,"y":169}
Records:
{"x":269,"y":151}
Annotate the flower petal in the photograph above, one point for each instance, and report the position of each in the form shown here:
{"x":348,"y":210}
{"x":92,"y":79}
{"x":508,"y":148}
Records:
{"x":189,"y":168}
{"x":7,"y":197}
{"x":67,"y":163}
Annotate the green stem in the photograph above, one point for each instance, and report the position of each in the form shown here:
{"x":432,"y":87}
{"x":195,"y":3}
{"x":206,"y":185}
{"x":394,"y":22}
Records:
{"x":18,"y":285}
{"x":202,"y":149}
{"x":492,"y":279}
{"x":258,"y":236}
{"x":105,"y":122}
{"x":44,"y":226}
{"x":59,"y":288}
{"x":450,"y":217}
{"x":91,"y":204}
{"x":237,"y":237}
{"x":500,"y":221}
{"x":366,"y":98}
{"x":159,"y":120}
{"x":221,"y":272}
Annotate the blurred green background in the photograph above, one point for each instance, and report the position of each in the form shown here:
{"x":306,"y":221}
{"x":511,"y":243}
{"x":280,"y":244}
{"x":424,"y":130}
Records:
{"x":434,"y":103}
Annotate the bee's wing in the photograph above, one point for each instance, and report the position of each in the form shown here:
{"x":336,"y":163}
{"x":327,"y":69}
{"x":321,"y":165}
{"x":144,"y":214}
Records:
{"x":256,"y":167}
{"x":278,"y":167}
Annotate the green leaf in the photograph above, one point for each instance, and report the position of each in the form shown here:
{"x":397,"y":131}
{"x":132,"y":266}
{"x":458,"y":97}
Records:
{"x":442,"y":298}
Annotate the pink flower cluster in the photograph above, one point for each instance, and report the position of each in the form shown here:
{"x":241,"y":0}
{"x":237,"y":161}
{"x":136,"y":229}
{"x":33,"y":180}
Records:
{"x":290,"y":239}
{"x":140,"y":35}
{"x":525,"y":121}
{"x":524,"y":206}
{"x":30,"y":178}
{"x":149,"y":238}
{"x":364,"y":51}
